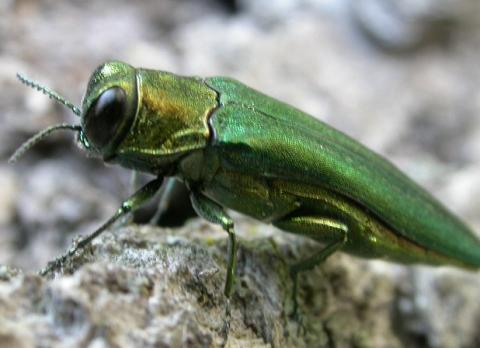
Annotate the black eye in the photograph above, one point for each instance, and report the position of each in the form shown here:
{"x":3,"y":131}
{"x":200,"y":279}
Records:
{"x":105,"y":117}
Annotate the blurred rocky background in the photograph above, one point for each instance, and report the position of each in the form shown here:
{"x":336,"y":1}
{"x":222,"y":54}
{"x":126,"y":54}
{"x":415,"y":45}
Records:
{"x":402,"y":77}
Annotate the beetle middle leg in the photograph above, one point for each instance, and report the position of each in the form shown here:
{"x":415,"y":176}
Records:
{"x":318,"y":228}
{"x":214,"y":213}
{"x":133,"y":202}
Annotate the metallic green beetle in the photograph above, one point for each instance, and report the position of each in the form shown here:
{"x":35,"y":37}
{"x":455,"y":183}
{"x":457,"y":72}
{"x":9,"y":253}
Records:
{"x":237,"y":148}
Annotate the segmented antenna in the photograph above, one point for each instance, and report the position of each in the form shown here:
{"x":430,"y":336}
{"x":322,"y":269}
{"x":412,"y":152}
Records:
{"x":50,"y":93}
{"x":38,"y":137}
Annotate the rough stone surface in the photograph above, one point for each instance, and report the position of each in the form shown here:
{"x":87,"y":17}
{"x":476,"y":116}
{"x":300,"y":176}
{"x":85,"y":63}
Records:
{"x":400,"y":76}
{"x":151,"y":287}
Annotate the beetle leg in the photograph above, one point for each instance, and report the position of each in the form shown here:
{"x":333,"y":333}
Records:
{"x":130,"y":204}
{"x":165,"y":196}
{"x":132,"y":187}
{"x":317,"y":228}
{"x":214,"y":213}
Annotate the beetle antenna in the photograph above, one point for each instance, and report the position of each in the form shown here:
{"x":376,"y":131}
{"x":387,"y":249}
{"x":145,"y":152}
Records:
{"x":50,"y":93}
{"x":38,"y":137}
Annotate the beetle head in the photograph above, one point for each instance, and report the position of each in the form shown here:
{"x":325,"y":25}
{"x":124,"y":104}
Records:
{"x":108,"y":110}
{"x":141,"y":119}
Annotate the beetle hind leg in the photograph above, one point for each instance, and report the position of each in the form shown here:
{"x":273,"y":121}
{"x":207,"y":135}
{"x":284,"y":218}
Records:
{"x":332,"y":231}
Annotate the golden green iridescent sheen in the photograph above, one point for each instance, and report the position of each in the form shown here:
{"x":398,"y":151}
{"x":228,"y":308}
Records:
{"x":246,"y":151}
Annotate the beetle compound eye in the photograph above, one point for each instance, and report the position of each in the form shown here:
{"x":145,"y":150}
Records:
{"x":105,"y":117}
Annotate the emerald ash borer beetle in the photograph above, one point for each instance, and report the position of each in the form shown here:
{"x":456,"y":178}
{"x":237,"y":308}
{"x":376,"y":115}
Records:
{"x":237,"y":148}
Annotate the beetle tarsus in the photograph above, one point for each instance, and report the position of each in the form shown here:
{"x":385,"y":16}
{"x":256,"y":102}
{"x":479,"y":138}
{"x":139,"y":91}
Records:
{"x":226,"y":323}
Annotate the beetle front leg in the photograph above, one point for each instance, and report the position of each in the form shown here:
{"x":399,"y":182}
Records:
{"x":133,"y":202}
{"x":132,"y":188}
{"x":334,"y":231}
{"x":214,"y":213}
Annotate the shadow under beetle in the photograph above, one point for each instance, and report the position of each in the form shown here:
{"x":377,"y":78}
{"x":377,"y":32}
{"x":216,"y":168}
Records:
{"x":237,"y":148}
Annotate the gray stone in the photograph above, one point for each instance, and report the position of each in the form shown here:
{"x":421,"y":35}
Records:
{"x":146,"y":286}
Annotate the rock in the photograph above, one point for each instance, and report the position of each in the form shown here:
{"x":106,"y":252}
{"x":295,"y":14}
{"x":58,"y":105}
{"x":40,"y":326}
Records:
{"x":146,"y":286}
